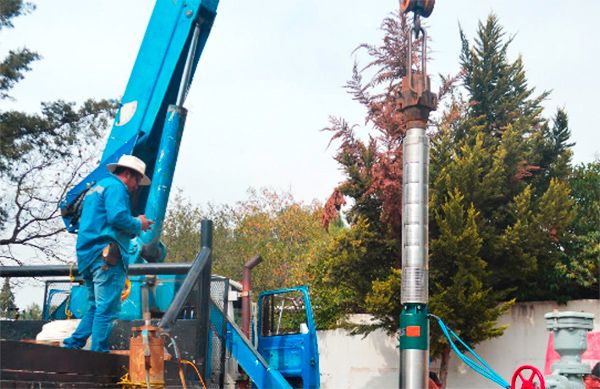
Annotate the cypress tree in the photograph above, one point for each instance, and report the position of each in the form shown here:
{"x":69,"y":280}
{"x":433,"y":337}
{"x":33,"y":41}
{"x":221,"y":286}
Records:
{"x":8,"y":308}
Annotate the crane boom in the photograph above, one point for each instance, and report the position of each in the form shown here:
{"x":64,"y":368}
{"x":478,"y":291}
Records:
{"x":151,"y":107}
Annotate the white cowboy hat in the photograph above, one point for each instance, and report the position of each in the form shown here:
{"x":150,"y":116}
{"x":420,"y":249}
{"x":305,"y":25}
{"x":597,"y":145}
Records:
{"x":133,"y":163}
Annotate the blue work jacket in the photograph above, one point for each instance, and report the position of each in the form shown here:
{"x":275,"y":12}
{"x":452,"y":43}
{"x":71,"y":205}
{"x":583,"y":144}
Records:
{"x":106,"y":217}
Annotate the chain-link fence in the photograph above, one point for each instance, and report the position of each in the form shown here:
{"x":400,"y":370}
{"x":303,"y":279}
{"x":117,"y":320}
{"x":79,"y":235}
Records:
{"x":56,"y":300}
{"x":219,"y":293}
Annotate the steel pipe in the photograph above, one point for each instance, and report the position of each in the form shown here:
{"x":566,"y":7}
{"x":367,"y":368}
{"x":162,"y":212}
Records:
{"x":191,"y":279}
{"x":415,"y":247}
{"x":414,"y":325}
{"x":248,"y":266}
{"x":416,"y":363}
{"x":66,"y":270}
{"x":204,"y":296}
{"x":189,"y":67}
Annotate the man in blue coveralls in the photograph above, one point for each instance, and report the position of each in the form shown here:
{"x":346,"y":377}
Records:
{"x":106,"y":225}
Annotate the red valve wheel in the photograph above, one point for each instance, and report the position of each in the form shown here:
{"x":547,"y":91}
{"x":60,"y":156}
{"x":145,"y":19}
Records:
{"x":528,"y":383}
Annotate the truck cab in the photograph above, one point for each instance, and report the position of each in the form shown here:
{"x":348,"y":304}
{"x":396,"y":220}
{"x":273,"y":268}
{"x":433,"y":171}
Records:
{"x":287,"y":337}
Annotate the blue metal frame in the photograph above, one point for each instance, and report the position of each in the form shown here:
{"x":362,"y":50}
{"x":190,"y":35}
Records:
{"x":160,"y":297}
{"x":258,"y":369}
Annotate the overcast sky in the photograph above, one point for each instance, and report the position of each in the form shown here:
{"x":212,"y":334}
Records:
{"x":272,"y":72}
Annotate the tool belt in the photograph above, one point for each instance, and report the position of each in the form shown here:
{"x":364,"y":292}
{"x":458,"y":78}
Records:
{"x":111,"y":254}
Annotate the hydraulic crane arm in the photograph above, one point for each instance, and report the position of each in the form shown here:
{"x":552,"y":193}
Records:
{"x":151,"y":108}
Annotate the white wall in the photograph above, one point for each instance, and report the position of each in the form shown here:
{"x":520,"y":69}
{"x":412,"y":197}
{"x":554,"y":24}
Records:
{"x":348,"y":361}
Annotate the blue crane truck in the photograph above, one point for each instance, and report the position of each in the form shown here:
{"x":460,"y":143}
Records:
{"x":149,"y":124}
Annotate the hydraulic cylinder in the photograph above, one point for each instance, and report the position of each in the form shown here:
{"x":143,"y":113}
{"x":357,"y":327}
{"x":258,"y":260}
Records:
{"x":153,"y":250}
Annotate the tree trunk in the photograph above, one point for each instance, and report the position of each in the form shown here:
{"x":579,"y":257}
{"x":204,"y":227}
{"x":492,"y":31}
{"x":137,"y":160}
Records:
{"x":445,"y":361}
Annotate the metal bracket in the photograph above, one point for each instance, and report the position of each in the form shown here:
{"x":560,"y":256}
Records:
{"x":416,"y":98}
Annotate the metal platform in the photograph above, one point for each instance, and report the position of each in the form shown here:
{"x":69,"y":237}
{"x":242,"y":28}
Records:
{"x":24,"y":364}
{"x":31,"y":365}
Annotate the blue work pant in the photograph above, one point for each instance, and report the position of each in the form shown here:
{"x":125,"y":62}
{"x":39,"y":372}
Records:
{"x":104,"y":285}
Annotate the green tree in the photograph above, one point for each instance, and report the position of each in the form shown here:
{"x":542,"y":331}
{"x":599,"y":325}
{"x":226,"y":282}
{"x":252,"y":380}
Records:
{"x":459,"y":276}
{"x":41,"y":155}
{"x":286,"y":233}
{"x":496,"y":161}
{"x":343,"y":276}
{"x":16,"y":62}
{"x":585,"y":189}
{"x":579,"y":268}
{"x":181,"y":230}
{"x":32,"y":312}
{"x":8,"y":309}
{"x":497,"y":87}
{"x":513,"y":166}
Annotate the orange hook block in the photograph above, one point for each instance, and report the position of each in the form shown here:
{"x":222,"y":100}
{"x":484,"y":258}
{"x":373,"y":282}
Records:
{"x":419,"y":7}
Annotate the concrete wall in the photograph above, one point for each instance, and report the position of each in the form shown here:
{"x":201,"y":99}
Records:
{"x":348,"y":361}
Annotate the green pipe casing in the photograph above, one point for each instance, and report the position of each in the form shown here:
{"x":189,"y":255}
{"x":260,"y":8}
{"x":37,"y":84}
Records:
{"x":414,"y":327}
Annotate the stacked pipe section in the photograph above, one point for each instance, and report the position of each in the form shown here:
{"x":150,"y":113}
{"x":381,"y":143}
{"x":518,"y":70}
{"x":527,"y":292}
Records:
{"x":414,"y":326}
